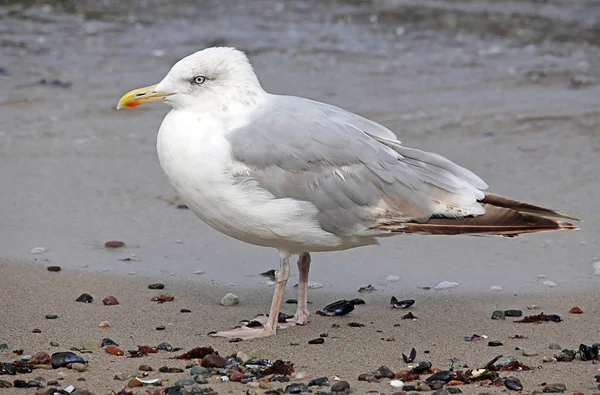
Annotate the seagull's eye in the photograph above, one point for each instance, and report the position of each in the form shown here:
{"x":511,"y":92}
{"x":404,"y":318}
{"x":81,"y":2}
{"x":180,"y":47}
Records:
{"x":199,"y":80}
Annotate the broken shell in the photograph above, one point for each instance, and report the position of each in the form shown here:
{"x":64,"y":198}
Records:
{"x":341,"y":307}
{"x":403,"y":304}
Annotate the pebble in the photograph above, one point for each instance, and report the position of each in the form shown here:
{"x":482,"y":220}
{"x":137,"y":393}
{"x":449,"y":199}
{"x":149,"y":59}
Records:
{"x":110,"y":301}
{"x":396,"y":383}
{"x":498,"y":315}
{"x":5,"y":384}
{"x":91,"y":345}
{"x":296,"y":388}
{"x":243,"y":356}
{"x":185,"y":381}
{"x":529,"y":352}
{"x":156,"y":286}
{"x":446,"y":285}
{"x":54,"y":268}
{"x":576,"y":310}
{"x":318,"y":340}
{"x":384,"y":371}
{"x":165,"y":346}
{"x":555,"y":346}
{"x":340,"y":386}
{"x":114,"y":350}
{"x":513,"y":313}
{"x":38,"y":250}
{"x":504,"y":361}
{"x":114,"y":244}
{"x":51,"y":316}
{"x":107,"y":341}
{"x":134,"y":382}
{"x":160,"y":327}
{"x":145,"y":368}
{"x":80,"y":367}
{"x":230,"y":300}
{"x":199,"y":370}
{"x":104,"y":324}
{"x":495,"y":343}
{"x":185,"y":311}
{"x":123,"y":376}
{"x":319,"y":381}
{"x":213,"y":361}
{"x":370,"y":377}
{"x":85,"y":298}
{"x":555,"y":388}
{"x":236,"y":377}
{"x":4,"y":346}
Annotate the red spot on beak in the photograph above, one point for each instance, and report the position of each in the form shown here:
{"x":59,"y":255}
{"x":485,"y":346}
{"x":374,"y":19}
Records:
{"x":132,"y":103}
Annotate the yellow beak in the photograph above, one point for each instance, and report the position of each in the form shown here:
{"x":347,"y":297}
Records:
{"x":139,"y":96}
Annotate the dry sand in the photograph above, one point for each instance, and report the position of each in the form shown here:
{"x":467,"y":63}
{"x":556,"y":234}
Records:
{"x":29,"y":292}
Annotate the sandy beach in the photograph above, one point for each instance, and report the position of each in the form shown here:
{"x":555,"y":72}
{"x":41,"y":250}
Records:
{"x":508,"y":91}
{"x":444,"y":319}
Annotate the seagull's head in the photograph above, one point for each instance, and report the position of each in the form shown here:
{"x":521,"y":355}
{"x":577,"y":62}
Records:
{"x":213,"y":78}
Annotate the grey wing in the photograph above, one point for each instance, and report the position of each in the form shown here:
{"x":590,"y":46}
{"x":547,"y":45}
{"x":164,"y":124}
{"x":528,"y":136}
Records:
{"x":354,"y":171}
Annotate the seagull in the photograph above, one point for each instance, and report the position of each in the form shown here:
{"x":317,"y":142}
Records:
{"x":302,"y":176}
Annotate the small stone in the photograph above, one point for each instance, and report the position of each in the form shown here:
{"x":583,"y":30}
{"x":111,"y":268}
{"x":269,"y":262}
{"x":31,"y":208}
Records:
{"x":80,"y":367}
{"x":5,"y":384}
{"x":213,"y":361}
{"x":145,"y":368}
{"x":423,"y":387}
{"x":230,"y":300}
{"x":318,"y":340}
{"x":3,"y":346}
{"x":91,"y":345}
{"x":114,"y":244}
{"x":566,"y":355}
{"x":185,"y":381}
{"x":85,"y":298}
{"x":36,"y":330}
{"x":108,"y":341}
{"x":528,"y":352}
{"x":340,"y":386}
{"x":54,"y":344}
{"x":397,"y":383}
{"x":110,"y":301}
{"x":498,"y":315}
{"x":54,"y":268}
{"x":123,"y":376}
{"x":513,"y":313}
{"x":576,"y":310}
{"x":243,"y":356}
{"x":134,"y":383}
{"x":165,"y":346}
{"x":51,"y":316}
{"x":384,"y":371}
{"x":554,"y":388}
{"x":319,"y":381}
{"x":104,"y":324}
{"x":156,"y":286}
{"x":296,"y":388}
{"x":185,"y":311}
{"x":454,"y":390}
{"x":160,"y":327}
{"x":199,"y":370}
{"x":114,"y":350}
{"x":555,"y":346}
{"x":494,"y":343}
{"x":369,"y":377}
{"x":236,"y":377}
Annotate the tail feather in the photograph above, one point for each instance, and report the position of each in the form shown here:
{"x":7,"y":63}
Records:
{"x":497,"y":220}
{"x":501,"y":201}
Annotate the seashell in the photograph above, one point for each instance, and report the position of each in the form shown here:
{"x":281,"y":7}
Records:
{"x":341,"y":307}
{"x":403,"y":304}
{"x":61,"y":359}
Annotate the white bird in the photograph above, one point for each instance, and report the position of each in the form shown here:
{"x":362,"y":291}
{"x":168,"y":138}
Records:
{"x":302,"y":176}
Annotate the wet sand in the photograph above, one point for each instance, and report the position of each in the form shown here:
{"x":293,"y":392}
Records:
{"x":444,"y":318}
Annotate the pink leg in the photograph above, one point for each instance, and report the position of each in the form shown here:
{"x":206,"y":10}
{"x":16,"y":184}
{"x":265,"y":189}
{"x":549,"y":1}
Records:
{"x":270,"y":328}
{"x":302,"y":312}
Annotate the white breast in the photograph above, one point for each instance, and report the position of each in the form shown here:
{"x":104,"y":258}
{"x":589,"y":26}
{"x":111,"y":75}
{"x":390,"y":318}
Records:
{"x":196,"y":157}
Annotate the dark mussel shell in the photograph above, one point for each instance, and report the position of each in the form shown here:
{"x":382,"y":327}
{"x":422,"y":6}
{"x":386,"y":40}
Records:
{"x":554,"y":317}
{"x":422,"y":367}
{"x":7,"y":368}
{"x":403,"y":304}
{"x":588,"y":353}
{"x":62,"y":359}
{"x":411,"y":357}
{"x":442,"y":375}
{"x":513,"y":384}
{"x":341,"y":307}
